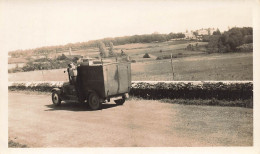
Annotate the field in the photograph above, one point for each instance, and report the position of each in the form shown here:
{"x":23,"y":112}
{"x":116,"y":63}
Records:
{"x":235,"y":66}
{"x":188,"y":65}
{"x":137,"y":50}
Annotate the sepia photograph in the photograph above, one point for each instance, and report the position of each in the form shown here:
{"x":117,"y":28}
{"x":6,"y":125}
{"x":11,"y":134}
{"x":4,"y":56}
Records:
{"x":114,"y":74}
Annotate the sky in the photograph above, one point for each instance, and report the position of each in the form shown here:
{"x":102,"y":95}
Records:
{"x":32,"y":24}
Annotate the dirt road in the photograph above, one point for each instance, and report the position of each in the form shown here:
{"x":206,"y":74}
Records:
{"x":35,"y":122}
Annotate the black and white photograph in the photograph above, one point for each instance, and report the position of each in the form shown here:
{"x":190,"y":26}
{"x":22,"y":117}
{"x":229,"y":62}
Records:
{"x":129,"y":74}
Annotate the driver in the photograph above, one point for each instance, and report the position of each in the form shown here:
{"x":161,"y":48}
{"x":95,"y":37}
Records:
{"x":72,"y":71}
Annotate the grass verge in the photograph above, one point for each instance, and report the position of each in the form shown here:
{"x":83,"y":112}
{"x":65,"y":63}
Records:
{"x":248,"y":103}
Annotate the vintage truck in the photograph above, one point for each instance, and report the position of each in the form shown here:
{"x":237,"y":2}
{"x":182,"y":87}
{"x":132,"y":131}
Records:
{"x":97,"y":84}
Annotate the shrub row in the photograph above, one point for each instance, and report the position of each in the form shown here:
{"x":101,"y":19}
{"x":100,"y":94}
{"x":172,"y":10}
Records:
{"x":45,"y":64}
{"x":34,"y":86}
{"x":196,"y":90}
{"x":166,"y":90}
{"x":179,"y":55}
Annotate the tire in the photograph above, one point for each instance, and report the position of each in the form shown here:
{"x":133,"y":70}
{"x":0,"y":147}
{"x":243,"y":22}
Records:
{"x":94,"y":101}
{"x":56,"y":98}
{"x":120,"y":101}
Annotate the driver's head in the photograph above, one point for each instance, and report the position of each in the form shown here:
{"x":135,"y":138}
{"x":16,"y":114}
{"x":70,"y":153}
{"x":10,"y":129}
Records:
{"x":71,"y":65}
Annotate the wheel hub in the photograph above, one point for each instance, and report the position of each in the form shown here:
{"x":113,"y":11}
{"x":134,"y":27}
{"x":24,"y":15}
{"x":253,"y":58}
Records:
{"x":94,"y":101}
{"x":55,"y":98}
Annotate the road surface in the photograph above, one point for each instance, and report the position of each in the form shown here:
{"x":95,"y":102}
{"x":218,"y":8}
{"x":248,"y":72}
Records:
{"x":35,"y":122}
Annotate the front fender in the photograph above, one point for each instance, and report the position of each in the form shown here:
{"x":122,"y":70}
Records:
{"x":58,"y":90}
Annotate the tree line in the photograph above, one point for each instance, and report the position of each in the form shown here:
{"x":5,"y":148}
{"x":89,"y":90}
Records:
{"x":146,"y":38}
{"x":230,"y":40}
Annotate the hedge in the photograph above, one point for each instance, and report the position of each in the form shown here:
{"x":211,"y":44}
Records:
{"x":193,"y":90}
{"x":34,"y":86}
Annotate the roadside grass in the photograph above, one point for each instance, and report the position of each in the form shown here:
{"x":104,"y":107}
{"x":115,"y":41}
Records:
{"x":206,"y":102}
{"x":211,"y":102}
{"x":226,"y":126}
{"x":13,"y":144}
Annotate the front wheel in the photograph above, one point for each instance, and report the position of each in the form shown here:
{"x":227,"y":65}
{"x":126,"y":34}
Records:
{"x":56,"y":100}
{"x":94,"y":101}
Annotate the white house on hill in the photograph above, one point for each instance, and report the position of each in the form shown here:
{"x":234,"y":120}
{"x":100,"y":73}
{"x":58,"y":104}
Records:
{"x":189,"y":35}
{"x":208,"y":31}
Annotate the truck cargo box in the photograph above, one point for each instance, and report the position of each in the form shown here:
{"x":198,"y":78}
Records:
{"x":106,"y":80}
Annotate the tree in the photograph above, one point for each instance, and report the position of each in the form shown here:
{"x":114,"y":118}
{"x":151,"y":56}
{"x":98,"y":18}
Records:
{"x":195,"y":33}
{"x":62,"y":57}
{"x":146,"y":55}
{"x":123,"y":53}
{"x":213,"y":44}
{"x":102,"y":49}
{"x":230,"y":40}
{"x":111,"y":49}
{"x":217,"y":32}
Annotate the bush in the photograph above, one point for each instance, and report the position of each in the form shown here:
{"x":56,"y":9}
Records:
{"x":35,"y":86}
{"x":62,"y":57}
{"x":146,"y":55}
{"x":159,"y":58}
{"x":245,"y":47}
{"x":204,"y":90}
{"x":75,"y":59}
{"x":166,"y":57}
{"x":190,"y":47}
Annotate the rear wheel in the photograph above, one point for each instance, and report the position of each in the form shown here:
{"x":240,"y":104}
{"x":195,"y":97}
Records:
{"x":94,"y":101}
{"x":56,"y":98}
{"x":120,"y":101}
